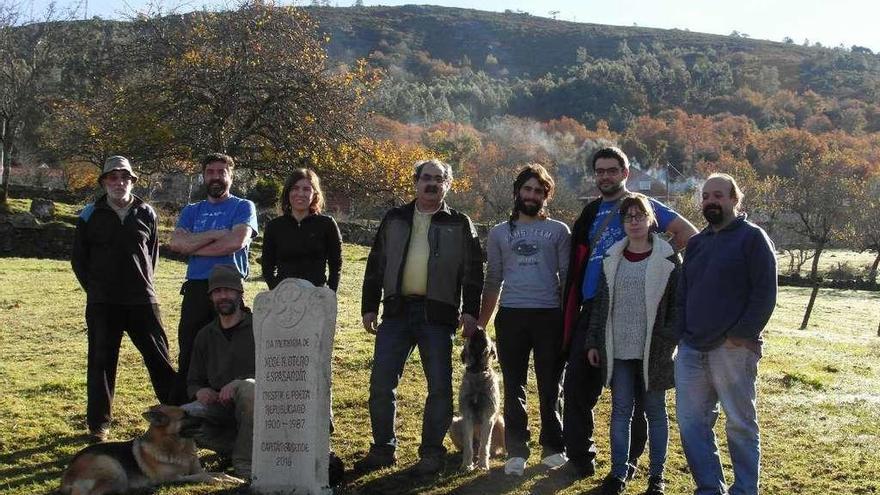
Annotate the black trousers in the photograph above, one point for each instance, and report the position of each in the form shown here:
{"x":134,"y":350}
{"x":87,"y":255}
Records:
{"x":582,"y":386}
{"x":106,"y":324}
{"x":520,"y":332}
{"x":196,"y":311}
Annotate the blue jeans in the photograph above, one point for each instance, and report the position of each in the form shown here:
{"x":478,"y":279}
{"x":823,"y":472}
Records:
{"x":702,"y":379}
{"x":395,"y":341}
{"x":626,"y":386}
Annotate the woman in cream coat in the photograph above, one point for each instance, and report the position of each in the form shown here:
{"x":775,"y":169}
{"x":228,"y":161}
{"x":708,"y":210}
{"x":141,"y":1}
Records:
{"x":631,"y":337}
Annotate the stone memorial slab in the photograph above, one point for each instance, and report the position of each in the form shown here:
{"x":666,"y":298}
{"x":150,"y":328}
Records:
{"x":294,"y":326}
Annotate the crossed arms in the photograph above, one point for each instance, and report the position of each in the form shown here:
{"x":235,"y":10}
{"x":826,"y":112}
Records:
{"x":210,"y":242}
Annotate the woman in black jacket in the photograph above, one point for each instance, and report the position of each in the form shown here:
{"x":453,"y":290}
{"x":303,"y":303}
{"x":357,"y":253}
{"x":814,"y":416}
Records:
{"x":302,"y":242}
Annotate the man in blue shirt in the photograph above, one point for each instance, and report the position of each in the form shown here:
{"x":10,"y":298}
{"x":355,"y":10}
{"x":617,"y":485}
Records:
{"x":726,"y":295}
{"x":597,"y":228}
{"x":217,"y":230}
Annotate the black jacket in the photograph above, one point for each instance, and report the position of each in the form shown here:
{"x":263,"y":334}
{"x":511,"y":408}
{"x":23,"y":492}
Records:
{"x":455,"y":265}
{"x":572,"y":295}
{"x":115,"y":261}
{"x":303,"y":250}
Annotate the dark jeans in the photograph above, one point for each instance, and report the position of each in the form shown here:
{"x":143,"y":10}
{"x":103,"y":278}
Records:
{"x":519,"y":332}
{"x":582,"y":386}
{"x":395,"y":341}
{"x":106,"y":324}
{"x":196,"y":311}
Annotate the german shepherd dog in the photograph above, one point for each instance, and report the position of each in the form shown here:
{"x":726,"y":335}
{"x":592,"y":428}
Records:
{"x":479,"y":403}
{"x":166,"y":453}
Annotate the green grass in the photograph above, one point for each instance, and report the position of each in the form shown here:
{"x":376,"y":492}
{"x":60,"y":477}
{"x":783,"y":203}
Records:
{"x":818,"y":401}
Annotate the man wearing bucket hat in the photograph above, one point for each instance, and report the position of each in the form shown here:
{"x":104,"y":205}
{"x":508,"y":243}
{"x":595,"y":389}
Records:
{"x":220,"y":380}
{"x":115,"y":253}
{"x":216,"y":230}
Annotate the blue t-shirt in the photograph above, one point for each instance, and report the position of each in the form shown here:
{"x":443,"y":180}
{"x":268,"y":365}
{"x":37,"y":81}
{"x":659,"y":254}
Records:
{"x":204,"y":216}
{"x":613,"y":233}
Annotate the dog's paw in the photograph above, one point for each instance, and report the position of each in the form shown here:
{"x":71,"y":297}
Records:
{"x":483,"y":465}
{"x":467,"y":467}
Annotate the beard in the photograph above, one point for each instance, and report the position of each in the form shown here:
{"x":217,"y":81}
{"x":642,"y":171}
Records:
{"x":713,"y":214}
{"x":529,"y":209}
{"x":610,"y":189}
{"x":227,"y":307}
{"x":217,"y":188}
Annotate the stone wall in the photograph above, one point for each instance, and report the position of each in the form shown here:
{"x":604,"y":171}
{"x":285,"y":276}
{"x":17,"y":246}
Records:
{"x":21,"y":235}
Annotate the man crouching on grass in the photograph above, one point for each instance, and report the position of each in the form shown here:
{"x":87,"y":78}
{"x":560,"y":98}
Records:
{"x":221,"y":373}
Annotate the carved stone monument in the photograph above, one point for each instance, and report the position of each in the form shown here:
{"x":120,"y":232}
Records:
{"x":294,"y":325}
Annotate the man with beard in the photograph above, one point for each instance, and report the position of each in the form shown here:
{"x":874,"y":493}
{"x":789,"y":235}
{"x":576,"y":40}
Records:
{"x":424,"y":265}
{"x":726,"y":295}
{"x":597,"y":229}
{"x":214,"y":231}
{"x":115,"y":253}
{"x":528,"y":254}
{"x":221,"y":375}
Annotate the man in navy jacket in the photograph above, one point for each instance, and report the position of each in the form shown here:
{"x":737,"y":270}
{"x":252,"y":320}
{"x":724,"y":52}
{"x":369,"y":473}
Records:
{"x":115,"y":252}
{"x":726,"y":295}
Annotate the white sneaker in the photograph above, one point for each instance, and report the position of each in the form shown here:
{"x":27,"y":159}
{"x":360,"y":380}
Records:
{"x":515,"y":465}
{"x":555,"y":460}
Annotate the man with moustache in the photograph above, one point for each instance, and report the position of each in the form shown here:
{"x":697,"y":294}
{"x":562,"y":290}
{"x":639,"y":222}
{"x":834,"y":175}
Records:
{"x":528,"y":254}
{"x":217,"y":230}
{"x":424,"y":265}
{"x":115,"y":254}
{"x":726,"y":295}
{"x":597,"y":229}
{"x":221,"y":375}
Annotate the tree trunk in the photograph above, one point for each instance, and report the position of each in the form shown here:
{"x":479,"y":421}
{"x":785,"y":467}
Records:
{"x":4,"y":177}
{"x":814,"y":278}
{"x":872,"y":275}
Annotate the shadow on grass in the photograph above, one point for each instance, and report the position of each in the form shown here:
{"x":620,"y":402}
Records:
{"x":26,"y":472}
{"x":406,"y":482}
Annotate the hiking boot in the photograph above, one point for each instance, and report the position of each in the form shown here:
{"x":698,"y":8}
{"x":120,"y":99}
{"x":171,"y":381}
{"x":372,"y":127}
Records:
{"x":99,"y":434}
{"x":612,"y":486}
{"x":374,"y":460}
{"x":515,"y":466}
{"x":554,"y":461}
{"x":656,"y":486}
{"x":429,"y":465}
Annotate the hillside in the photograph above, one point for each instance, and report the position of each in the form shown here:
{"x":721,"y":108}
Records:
{"x":526,"y":45}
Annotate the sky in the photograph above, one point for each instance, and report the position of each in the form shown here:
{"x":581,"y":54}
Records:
{"x":831,"y":23}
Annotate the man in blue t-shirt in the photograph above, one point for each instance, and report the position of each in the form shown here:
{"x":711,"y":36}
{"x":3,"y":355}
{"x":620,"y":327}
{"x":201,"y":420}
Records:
{"x":217,"y":230}
{"x":598,"y":227}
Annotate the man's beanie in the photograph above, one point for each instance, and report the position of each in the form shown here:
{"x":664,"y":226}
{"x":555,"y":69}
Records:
{"x":226,"y":277}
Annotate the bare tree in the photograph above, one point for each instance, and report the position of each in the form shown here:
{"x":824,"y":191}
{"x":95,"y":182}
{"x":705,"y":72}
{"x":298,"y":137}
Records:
{"x":822,"y":197}
{"x":30,"y":51}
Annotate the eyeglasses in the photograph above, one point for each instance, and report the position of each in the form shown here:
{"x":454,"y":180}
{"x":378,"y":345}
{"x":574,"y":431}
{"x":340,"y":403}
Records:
{"x":637,"y":218}
{"x":607,"y":171}
{"x":433,"y":178}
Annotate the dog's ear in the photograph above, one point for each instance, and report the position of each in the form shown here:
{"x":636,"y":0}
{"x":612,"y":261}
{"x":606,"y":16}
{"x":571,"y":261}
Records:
{"x":464,"y":351}
{"x":156,"y":417}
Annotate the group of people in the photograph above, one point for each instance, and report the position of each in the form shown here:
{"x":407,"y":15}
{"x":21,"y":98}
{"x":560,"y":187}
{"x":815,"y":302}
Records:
{"x":609,"y":303}
{"x":606,"y":304}
{"x":115,"y":255}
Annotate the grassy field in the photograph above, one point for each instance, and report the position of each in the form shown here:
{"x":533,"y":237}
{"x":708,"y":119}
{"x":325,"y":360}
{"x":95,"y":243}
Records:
{"x":819,"y":396}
